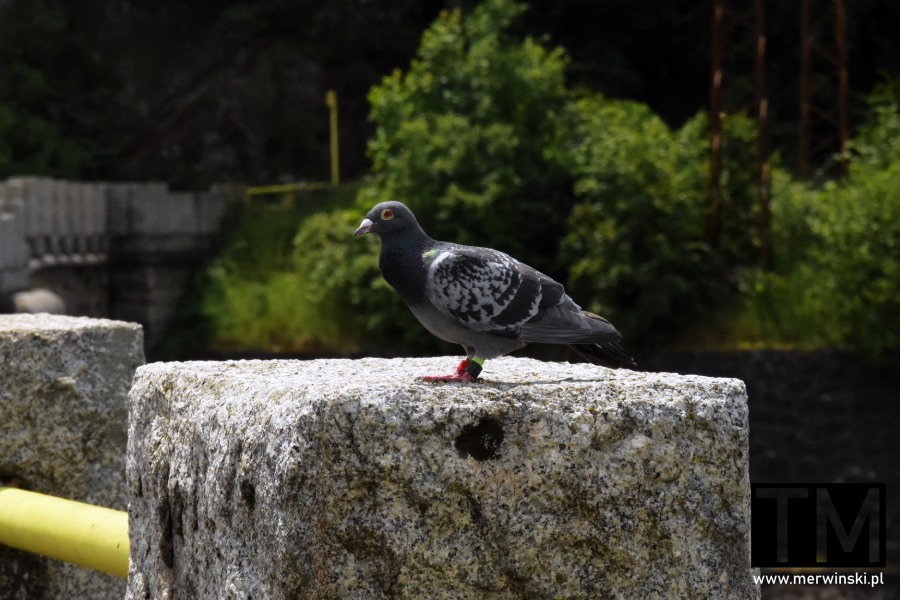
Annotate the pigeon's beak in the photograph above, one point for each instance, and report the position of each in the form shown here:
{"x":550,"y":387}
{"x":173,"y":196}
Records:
{"x":364,"y":228}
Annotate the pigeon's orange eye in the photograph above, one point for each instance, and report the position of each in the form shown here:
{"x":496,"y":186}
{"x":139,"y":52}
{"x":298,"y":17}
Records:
{"x":387,"y":214}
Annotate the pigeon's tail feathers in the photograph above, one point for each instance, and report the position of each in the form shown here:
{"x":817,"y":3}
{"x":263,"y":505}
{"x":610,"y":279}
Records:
{"x":568,"y":324}
{"x":607,"y":354}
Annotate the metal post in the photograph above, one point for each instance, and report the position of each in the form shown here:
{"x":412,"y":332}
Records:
{"x":331,"y":103}
{"x":83,"y":534}
{"x":764,"y":183}
{"x":715,"y":126}
{"x":803,"y":150}
{"x":840,"y":29}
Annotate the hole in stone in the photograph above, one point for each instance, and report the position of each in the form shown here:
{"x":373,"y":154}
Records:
{"x":166,"y":534}
{"x":481,"y":441}
{"x":248,"y":493}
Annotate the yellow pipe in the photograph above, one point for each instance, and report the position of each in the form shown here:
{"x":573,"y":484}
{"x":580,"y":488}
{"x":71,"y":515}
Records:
{"x":284,"y":188}
{"x":331,"y":103}
{"x":79,"y":533}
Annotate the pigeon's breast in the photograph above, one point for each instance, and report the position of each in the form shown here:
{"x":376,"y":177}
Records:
{"x":404,"y":271}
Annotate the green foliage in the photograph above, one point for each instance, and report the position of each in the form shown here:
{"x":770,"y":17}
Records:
{"x":483,"y":140}
{"x":306,"y":305}
{"x":293,"y":279}
{"x":838,"y":265}
{"x":858,"y":257}
{"x":738,"y":244}
{"x":878,"y":143}
{"x":637,"y":242}
{"x":792,"y":204}
{"x":856,"y":224}
{"x":242,"y":301}
{"x":46,"y":116}
{"x":344,"y":292}
{"x":777,"y":310}
{"x":469,"y":136}
{"x":844,"y":288}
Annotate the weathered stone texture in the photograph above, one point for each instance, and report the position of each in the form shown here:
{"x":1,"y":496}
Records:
{"x":63,"y":424}
{"x":352,"y":479}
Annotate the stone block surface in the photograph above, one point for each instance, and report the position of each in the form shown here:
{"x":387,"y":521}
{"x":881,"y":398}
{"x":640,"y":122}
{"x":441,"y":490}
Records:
{"x":352,"y":479}
{"x":63,"y":425}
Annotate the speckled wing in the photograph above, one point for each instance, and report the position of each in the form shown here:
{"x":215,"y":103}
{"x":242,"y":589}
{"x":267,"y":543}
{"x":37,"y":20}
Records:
{"x":486,"y":290}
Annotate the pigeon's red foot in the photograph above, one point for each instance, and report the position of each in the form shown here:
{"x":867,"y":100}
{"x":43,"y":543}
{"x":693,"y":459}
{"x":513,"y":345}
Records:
{"x":451,"y":378}
{"x":462,"y":375}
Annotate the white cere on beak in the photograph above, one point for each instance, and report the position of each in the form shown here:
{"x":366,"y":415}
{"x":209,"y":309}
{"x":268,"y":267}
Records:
{"x":364,"y":228}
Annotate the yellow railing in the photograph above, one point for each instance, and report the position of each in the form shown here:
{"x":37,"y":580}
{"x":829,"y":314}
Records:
{"x":331,"y":103}
{"x":83,"y":534}
{"x":288,"y":191}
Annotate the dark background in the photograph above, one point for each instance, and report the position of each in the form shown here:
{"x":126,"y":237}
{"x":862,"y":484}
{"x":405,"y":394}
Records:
{"x":210,"y":91}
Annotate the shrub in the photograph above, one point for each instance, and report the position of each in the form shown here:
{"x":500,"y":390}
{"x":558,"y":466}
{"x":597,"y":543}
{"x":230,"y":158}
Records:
{"x":858,"y":258}
{"x":345,"y":302}
{"x":877,"y":145}
{"x":469,"y":136}
{"x":838,"y":267}
{"x":483,"y":140}
{"x":857,"y":227}
{"x":637,"y":241}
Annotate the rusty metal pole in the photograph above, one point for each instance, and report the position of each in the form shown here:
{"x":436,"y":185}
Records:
{"x":332,"y":104}
{"x":715,"y":126}
{"x":803,"y":149}
{"x":764,"y":189}
{"x":843,"y":127}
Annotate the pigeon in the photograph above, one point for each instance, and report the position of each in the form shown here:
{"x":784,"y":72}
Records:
{"x":482,"y":299}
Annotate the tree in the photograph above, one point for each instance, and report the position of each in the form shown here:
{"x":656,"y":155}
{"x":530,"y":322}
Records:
{"x":470,"y":135}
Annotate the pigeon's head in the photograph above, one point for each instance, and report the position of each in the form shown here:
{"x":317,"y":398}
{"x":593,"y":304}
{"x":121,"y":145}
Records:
{"x":387,"y":218}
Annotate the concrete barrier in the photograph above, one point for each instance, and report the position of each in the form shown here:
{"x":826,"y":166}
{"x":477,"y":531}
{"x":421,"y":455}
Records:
{"x":352,"y":479}
{"x":123,"y":250}
{"x":13,"y":251}
{"x":63,"y":425}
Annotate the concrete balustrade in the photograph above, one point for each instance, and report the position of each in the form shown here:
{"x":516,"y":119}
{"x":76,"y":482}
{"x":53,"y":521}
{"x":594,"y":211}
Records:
{"x":89,"y":242}
{"x":13,"y":250}
{"x":65,"y":222}
{"x":68,"y":221}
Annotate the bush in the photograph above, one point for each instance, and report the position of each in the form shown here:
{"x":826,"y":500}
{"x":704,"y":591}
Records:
{"x":838,"y":267}
{"x":469,"y":137}
{"x":310,"y":289}
{"x":483,"y":140}
{"x":856,"y":224}
{"x":265,"y":293}
{"x":637,"y":241}
{"x":247,"y":295}
{"x":858,"y":257}
{"x":346,"y":303}
{"x":877,"y":145}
